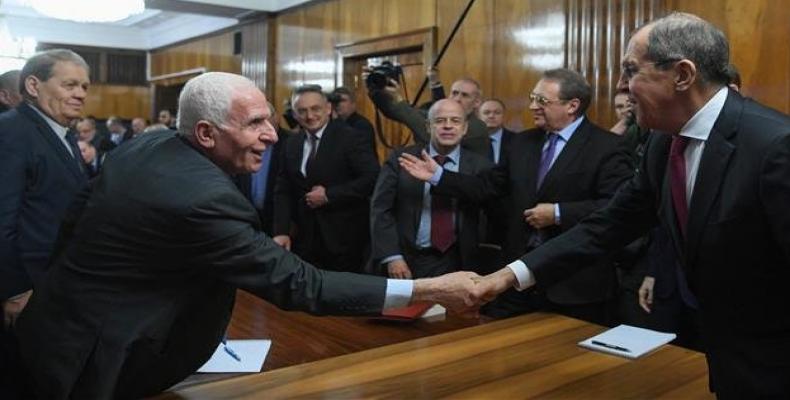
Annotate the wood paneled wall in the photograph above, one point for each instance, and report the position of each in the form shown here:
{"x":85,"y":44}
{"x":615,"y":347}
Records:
{"x":123,"y":101}
{"x":505,"y":44}
{"x":215,"y":53}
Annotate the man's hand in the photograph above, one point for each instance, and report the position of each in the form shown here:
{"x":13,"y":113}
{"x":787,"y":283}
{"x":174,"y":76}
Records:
{"x":458,"y":292}
{"x":540,"y":216}
{"x":13,"y":307}
{"x":398,"y":269}
{"x":420,"y":168}
{"x":493,"y":284}
{"x":620,"y":127}
{"x":283,"y":240}
{"x":646,"y":293}
{"x":316,"y":197}
{"x":433,"y":76}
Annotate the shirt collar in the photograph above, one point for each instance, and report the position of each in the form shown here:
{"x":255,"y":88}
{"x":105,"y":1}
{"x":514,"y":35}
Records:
{"x":452,"y":156}
{"x":59,"y":129}
{"x":700,"y":125}
{"x":496,"y":136}
{"x":320,"y":132}
{"x":568,"y":131}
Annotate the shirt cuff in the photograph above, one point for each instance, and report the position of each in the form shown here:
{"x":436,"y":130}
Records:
{"x":434,"y":180}
{"x":524,"y":276}
{"x":398,"y":293}
{"x":391,"y":258}
{"x":557,"y":220}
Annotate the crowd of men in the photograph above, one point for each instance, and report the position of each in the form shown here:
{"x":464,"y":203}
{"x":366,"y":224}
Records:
{"x":119,"y":282}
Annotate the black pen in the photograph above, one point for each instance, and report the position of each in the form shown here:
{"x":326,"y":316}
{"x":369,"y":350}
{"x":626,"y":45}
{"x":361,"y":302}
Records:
{"x":229,"y":350}
{"x":610,"y":346}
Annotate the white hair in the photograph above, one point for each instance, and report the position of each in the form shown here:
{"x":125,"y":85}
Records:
{"x":207,"y":97}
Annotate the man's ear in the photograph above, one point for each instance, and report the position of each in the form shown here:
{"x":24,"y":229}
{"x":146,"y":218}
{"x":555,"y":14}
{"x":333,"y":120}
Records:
{"x":573,"y":106}
{"x":205,"y":134}
{"x":685,"y":75}
{"x":32,"y":85}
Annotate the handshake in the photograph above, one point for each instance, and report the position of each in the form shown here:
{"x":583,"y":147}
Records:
{"x":463,"y":292}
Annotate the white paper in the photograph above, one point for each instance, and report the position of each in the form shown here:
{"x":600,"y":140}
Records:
{"x":435,"y":313}
{"x":251,"y":352}
{"x":638,"y":341}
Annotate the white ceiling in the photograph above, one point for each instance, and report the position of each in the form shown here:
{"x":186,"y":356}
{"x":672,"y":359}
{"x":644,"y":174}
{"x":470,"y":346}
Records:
{"x":163,"y":22}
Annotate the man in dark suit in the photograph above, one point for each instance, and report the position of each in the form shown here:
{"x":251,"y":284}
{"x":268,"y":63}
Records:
{"x":414,"y":233}
{"x":715,"y":177}
{"x":42,"y":172}
{"x":9,"y":90}
{"x":494,"y":220}
{"x":119,"y":133}
{"x":139,"y":296}
{"x":344,"y":103}
{"x":324,"y":187}
{"x":258,"y":187}
{"x":465,"y":91}
{"x":555,"y":175}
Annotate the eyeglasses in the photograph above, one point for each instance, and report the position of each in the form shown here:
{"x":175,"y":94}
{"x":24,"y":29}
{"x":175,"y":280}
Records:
{"x":630,"y":70}
{"x":542,"y":100}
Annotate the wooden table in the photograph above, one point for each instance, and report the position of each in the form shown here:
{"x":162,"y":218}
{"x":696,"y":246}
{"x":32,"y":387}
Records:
{"x":532,"y":356}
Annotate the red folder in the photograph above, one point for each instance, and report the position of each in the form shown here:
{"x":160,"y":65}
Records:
{"x":407,"y":313}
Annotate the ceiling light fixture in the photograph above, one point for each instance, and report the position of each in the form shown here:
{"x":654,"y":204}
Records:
{"x":88,"y":10}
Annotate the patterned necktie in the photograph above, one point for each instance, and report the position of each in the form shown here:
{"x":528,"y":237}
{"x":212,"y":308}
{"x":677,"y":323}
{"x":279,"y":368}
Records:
{"x":442,"y":232}
{"x":677,"y":180}
{"x":547,"y":156}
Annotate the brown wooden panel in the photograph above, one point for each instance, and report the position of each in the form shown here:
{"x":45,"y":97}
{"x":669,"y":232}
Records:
{"x":758,"y":31}
{"x":124,"y":101}
{"x":215,"y":53}
{"x":529,"y":38}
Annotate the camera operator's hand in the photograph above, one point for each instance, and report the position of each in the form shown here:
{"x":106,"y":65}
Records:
{"x":433,"y":76}
{"x":394,"y":90}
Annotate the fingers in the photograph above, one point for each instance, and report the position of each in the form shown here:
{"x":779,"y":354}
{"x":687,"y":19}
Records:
{"x":645,"y":299}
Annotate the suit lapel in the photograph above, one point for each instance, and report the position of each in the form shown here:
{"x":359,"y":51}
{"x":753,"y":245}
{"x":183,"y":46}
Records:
{"x":52,"y":139}
{"x":414,"y":189}
{"x":569,"y":153}
{"x":712,"y":171}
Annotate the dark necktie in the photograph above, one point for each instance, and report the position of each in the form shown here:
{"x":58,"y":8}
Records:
{"x":677,"y":180}
{"x":71,"y":138}
{"x":313,"y":140}
{"x":491,"y":149}
{"x":442,"y":232}
{"x":547,"y":156}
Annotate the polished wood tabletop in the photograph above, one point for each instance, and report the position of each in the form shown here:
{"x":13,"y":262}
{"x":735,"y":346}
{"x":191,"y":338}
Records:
{"x":531,"y":356}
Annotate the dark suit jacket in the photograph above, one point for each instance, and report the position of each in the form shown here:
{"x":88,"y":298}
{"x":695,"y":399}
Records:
{"x":584,"y":177}
{"x":397,"y":203}
{"x":494,"y":220}
{"x":244,"y":182}
{"x":737,"y":253}
{"x":140,"y":295}
{"x":476,"y":138}
{"x":347,"y":168}
{"x":40,"y":179}
{"x":361,"y":124}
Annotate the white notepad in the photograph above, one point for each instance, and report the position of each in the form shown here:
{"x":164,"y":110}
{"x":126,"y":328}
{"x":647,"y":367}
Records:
{"x":627,"y":341}
{"x":251,"y":353}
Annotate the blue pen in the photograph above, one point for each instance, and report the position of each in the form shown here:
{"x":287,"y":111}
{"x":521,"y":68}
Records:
{"x":229,"y":350}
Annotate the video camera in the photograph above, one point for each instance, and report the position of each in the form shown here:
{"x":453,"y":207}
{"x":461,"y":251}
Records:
{"x":380,"y":75}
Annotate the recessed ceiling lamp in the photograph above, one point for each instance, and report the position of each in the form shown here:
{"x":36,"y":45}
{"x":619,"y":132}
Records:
{"x":88,"y":10}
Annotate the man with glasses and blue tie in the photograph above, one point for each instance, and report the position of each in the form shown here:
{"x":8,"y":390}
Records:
{"x":555,"y":175}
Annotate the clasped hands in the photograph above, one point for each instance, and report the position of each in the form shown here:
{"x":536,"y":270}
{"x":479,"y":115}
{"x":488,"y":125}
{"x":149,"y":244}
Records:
{"x":463,"y":292}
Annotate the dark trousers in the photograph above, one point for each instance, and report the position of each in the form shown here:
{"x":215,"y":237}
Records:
{"x":322,"y":257}
{"x":430,"y":262}
{"x":13,"y":377}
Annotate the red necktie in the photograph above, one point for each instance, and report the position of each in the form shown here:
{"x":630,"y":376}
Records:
{"x":677,"y":180}
{"x":442,"y":232}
